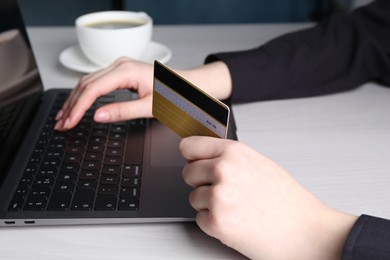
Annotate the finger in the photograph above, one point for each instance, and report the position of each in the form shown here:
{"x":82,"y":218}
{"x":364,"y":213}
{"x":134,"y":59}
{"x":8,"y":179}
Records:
{"x":198,"y":173}
{"x":86,"y":81}
{"x":65,"y":105}
{"x":204,"y":221}
{"x":124,"y":110}
{"x":199,"y":198}
{"x":83,"y":81}
{"x":88,"y":92}
{"x":63,"y":114}
{"x":202,"y":147}
{"x":86,"y":84}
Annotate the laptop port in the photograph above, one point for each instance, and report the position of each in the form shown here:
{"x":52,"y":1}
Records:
{"x":29,"y":222}
{"x":9,"y":222}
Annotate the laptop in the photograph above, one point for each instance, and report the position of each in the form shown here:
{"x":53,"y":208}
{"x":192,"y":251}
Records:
{"x":125,"y":172}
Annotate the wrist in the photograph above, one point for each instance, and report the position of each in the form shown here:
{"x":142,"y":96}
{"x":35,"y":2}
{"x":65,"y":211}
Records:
{"x":213,"y":78}
{"x":330,"y":234}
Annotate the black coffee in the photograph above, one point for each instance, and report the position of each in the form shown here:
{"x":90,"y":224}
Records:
{"x":114,"y":24}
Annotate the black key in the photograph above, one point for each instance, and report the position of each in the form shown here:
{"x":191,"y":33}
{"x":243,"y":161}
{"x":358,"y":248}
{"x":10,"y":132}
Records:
{"x":70,"y":167}
{"x":114,"y":152}
{"x":105,"y":202}
{"x":99,"y":132}
{"x":99,"y":126}
{"x":117,"y":136}
{"x":21,"y":191}
{"x":35,"y":204}
{"x":51,"y":162}
{"x":60,"y":136}
{"x":47,"y":171}
{"x":54,"y":154}
{"x":62,"y":186}
{"x":38,"y":151}
{"x":75,"y":149}
{"x":35,"y":159}
{"x":132,"y":171}
{"x":91,"y":165}
{"x":41,"y":143}
{"x":46,"y":133}
{"x":141,"y":122}
{"x":88,"y":175}
{"x":111,"y":170}
{"x":97,"y":140}
{"x":43,"y":182}
{"x":57,"y":146}
{"x":77,"y":142}
{"x":16,"y":205}
{"x":128,"y":192}
{"x":86,"y":184}
{"x":30,"y":169}
{"x":112,"y":161}
{"x":128,"y":204}
{"x":107,"y":190}
{"x":40,"y":192}
{"x":83,"y":199}
{"x":110,"y":179}
{"x":96,"y":148}
{"x":130,"y":182}
{"x":115,"y":128}
{"x":85,"y":121}
{"x":90,"y":112}
{"x":67,"y":176}
{"x":26,"y":179}
{"x":79,"y":134}
{"x":114,"y":144}
{"x":59,"y":201}
{"x":72,"y":158}
{"x":93,"y":157}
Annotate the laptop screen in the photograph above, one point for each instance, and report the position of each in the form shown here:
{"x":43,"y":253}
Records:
{"x":20,"y":85}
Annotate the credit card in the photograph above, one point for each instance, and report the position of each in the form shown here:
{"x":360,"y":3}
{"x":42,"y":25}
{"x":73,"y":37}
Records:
{"x":185,"y":108}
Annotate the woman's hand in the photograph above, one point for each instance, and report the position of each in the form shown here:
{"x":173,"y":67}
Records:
{"x":124,"y":73}
{"x":253,"y":205}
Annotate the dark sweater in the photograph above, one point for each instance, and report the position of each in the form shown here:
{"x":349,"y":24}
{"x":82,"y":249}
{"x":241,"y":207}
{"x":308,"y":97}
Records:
{"x":337,"y":55}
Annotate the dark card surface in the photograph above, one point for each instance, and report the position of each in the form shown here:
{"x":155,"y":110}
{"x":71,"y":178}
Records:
{"x":185,"y":108}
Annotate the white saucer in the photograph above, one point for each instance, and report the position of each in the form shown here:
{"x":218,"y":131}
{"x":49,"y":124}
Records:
{"x":74,"y":59}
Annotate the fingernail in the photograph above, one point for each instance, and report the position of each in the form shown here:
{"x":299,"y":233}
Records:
{"x":66,"y":123}
{"x":59,"y":114}
{"x":102,"y":116}
{"x":57,"y":125}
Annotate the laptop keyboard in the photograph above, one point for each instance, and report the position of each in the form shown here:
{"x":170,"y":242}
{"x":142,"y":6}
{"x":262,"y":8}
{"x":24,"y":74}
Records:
{"x":91,"y":167}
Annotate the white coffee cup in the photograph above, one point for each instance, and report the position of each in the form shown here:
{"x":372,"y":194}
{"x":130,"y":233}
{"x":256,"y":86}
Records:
{"x":105,"y":36}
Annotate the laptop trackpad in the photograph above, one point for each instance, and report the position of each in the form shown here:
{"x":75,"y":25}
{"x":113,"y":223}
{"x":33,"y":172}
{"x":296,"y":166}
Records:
{"x":165,"y":147}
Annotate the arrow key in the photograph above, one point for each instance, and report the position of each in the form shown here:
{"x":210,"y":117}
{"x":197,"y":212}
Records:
{"x":105,"y":202}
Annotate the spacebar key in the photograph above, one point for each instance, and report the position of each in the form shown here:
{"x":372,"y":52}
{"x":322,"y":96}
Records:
{"x":83,"y":199}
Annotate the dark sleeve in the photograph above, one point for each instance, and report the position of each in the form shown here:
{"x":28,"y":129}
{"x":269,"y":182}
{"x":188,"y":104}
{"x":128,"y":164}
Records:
{"x":337,"y":55}
{"x":368,"y":239}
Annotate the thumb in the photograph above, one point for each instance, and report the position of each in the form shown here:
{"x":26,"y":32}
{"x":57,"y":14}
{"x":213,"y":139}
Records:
{"x":122,"y":111}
